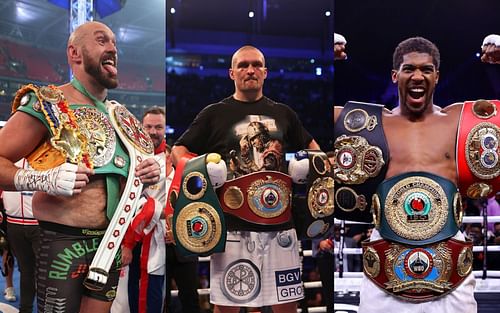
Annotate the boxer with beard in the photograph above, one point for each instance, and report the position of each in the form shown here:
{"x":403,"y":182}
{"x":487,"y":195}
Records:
{"x":73,"y":201}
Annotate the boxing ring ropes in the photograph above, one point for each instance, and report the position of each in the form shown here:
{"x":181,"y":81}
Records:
{"x":349,"y":282}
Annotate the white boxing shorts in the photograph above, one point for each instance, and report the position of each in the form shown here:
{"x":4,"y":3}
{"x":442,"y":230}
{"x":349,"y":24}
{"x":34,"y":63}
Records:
{"x":257,"y":269}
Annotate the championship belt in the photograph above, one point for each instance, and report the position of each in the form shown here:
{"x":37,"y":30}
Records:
{"x":198,"y":222}
{"x":313,"y":212}
{"x":417,"y":274}
{"x":361,"y":159}
{"x":139,"y":147}
{"x":262,"y":198}
{"x":478,"y":164}
{"x":67,"y":143}
{"x":417,"y":208}
{"x":173,"y":195}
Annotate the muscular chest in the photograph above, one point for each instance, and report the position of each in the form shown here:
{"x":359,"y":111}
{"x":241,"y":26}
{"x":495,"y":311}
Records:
{"x":421,"y":145}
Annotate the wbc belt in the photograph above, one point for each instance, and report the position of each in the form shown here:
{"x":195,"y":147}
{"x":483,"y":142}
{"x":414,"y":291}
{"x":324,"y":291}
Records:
{"x":361,"y":159}
{"x":478,"y":163}
{"x":417,"y":208}
{"x":417,"y":274}
{"x":262,"y":198}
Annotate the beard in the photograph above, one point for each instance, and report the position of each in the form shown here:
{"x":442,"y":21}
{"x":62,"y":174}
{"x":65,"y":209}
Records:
{"x":94,"y":69}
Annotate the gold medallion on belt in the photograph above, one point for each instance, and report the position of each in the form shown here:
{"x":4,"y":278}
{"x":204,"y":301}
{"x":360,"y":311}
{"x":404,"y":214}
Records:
{"x":99,"y":132}
{"x":406,"y":268}
{"x":371,"y":262}
{"x":320,"y":197}
{"x":416,"y":208}
{"x":356,"y":160}
{"x":481,"y":150}
{"x":358,"y":119}
{"x":268,"y":197}
{"x":200,"y":229}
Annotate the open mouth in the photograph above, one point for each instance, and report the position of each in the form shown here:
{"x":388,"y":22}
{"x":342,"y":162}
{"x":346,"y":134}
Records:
{"x":416,"y":92}
{"x":109,"y":65}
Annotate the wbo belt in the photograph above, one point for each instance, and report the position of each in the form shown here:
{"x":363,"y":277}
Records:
{"x":361,"y":159}
{"x":312,"y":209}
{"x":417,"y":274}
{"x":261,"y":198}
{"x":478,"y":164}
{"x":417,"y":208}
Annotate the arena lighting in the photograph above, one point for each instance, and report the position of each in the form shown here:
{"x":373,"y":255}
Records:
{"x":102,"y":7}
{"x":23,"y":14}
{"x":312,"y":61}
{"x":478,"y":55}
{"x":328,"y":13}
{"x":172,"y":10}
{"x":319,"y":71}
{"x":169,"y":130}
{"x":251,"y":14}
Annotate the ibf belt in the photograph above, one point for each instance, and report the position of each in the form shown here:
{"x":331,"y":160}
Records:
{"x":198,"y":223}
{"x":361,"y":159}
{"x":417,"y":208}
{"x":313,"y":211}
{"x":262,"y":198}
{"x":417,"y":274}
{"x":478,"y":151}
{"x":139,"y":147}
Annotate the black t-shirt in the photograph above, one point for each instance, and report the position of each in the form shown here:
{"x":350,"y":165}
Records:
{"x":250,"y":136}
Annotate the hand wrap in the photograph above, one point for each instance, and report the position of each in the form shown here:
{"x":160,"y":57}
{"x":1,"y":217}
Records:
{"x":58,"y":181}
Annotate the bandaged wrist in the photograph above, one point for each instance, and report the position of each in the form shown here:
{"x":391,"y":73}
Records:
{"x":31,"y":180}
{"x":491,"y":40}
{"x":57,"y":181}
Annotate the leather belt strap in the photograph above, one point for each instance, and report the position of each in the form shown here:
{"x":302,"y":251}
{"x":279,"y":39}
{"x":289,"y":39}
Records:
{"x":417,"y":208}
{"x":262,"y":198}
{"x":417,"y":274}
{"x":361,"y":159}
{"x":139,"y":147}
{"x":198,"y":221}
{"x":478,"y":163}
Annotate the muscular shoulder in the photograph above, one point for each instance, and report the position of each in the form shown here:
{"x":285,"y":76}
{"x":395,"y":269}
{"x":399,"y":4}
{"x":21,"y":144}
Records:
{"x":453,"y":110}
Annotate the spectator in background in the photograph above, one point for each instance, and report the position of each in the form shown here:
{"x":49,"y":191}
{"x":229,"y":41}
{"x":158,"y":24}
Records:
{"x":24,"y":237}
{"x":7,"y":267}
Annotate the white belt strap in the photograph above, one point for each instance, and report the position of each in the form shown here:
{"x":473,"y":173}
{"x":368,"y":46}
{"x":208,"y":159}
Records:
{"x":140,"y":147}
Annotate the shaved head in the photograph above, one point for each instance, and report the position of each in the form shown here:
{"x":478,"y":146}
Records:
{"x":77,"y":37}
{"x":234,"y":59}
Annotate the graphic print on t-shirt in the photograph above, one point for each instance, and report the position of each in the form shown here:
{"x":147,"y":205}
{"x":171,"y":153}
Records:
{"x":260,"y":146}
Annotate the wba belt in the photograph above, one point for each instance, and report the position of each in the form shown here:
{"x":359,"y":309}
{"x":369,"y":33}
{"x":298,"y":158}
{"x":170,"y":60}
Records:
{"x":262,"y":198}
{"x":198,"y":223}
{"x":417,"y":274}
{"x":478,"y":165}
{"x":361,"y":159}
{"x":417,"y":208}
